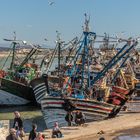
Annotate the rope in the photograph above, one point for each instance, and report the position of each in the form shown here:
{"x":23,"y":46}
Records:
{"x":1,"y":61}
{"x":6,"y":58}
{"x":51,"y":59}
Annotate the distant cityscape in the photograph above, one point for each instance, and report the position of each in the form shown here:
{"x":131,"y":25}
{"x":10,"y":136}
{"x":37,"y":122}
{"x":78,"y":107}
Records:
{"x":6,"y":47}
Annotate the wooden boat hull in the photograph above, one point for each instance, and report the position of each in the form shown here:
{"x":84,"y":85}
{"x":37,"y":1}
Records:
{"x":119,"y":96}
{"x":120,"y":90}
{"x":53,"y":109}
{"x":9,"y":99}
{"x":40,"y":89}
{"x":15,"y":93}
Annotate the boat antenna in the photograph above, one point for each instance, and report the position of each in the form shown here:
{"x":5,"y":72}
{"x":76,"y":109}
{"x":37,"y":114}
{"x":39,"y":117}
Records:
{"x":58,"y":44}
{"x":14,"y":36}
{"x":87,"y":20}
{"x":106,"y":40}
{"x":14,"y":43}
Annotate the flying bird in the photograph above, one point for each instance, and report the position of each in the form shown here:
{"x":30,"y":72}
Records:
{"x":51,"y":2}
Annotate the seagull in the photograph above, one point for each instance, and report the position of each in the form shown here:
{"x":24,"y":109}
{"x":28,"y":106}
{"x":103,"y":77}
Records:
{"x":46,"y":39}
{"x":51,"y":2}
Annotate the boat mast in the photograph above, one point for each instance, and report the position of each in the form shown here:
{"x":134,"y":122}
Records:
{"x":13,"y":55}
{"x":82,"y":56}
{"x":85,"y":56}
{"x":59,"y":43}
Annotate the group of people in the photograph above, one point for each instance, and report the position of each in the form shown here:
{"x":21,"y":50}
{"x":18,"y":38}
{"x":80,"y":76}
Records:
{"x":78,"y":117}
{"x":56,"y":133}
{"x":17,"y":131}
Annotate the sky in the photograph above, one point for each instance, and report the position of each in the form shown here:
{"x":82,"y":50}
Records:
{"x":34,"y":20}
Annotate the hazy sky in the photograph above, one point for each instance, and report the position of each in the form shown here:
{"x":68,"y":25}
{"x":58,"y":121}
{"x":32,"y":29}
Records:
{"x":34,"y":20}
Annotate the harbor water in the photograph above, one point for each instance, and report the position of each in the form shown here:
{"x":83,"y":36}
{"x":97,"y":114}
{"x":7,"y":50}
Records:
{"x":29,"y":114}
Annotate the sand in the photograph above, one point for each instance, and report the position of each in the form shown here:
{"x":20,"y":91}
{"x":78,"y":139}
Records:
{"x":123,"y":124}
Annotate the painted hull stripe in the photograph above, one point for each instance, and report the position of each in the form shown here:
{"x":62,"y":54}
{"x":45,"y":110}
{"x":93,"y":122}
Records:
{"x":40,"y":93}
{"x":77,"y":102}
{"x":84,"y":101}
{"x":38,"y":89}
{"x":39,"y":85}
{"x":38,"y":99}
{"x":83,"y":110}
{"x":78,"y":107}
{"x":82,"y":105}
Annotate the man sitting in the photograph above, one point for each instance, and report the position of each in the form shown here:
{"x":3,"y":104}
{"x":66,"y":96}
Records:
{"x":79,"y":118}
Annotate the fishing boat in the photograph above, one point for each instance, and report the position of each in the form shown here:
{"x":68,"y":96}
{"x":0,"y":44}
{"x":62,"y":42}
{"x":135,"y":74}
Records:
{"x":14,"y":82}
{"x":72,"y":90}
{"x":56,"y":105}
{"x":137,"y":84}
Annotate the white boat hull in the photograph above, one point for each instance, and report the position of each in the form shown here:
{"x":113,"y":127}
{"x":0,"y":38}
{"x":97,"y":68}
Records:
{"x":7,"y":98}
